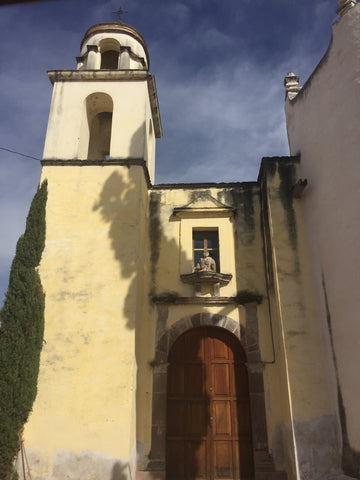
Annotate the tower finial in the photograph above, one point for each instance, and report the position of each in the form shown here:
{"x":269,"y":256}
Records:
{"x":344,"y":6}
{"x":120,"y":12}
{"x":291,"y":84}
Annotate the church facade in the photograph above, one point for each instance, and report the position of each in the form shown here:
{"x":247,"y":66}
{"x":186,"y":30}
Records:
{"x":198,"y":330}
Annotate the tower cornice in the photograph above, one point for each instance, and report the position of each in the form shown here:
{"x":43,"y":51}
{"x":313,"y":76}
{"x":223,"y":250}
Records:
{"x":103,"y":75}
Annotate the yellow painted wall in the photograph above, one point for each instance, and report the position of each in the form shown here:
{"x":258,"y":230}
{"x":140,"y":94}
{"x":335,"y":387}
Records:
{"x":112,"y":248}
{"x":94,"y":294}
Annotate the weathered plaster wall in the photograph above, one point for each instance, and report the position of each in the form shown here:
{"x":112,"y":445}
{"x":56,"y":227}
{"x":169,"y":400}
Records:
{"x":322,"y":123}
{"x":91,"y":270}
{"x":310,"y":411}
{"x":239,"y":237}
{"x":241,"y":254}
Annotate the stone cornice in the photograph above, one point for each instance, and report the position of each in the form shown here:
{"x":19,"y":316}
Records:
{"x":195,"y":186}
{"x":241,"y":299}
{"x":96,"y":75}
{"x":203,"y":212}
{"x":154,"y":106}
{"x":128,"y":162}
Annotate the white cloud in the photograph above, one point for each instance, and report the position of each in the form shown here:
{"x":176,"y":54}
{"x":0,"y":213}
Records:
{"x":207,"y":37}
{"x":222,"y":110}
{"x":178,"y":10}
{"x":228,"y":118}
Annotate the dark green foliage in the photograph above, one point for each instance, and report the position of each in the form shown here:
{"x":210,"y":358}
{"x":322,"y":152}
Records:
{"x":15,"y":476}
{"x":21,"y":333}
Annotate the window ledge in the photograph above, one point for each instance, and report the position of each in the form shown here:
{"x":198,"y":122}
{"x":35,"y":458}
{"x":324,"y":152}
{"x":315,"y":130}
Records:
{"x":206,"y":278}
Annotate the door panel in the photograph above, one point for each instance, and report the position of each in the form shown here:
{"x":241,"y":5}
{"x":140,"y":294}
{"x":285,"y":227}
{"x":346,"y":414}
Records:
{"x":221,"y":418}
{"x":176,"y":414}
{"x":221,"y":379}
{"x":208,"y":413}
{"x":194,"y":381}
{"x":197,"y":420}
{"x":176,"y":380}
{"x":224,"y":460}
{"x":175,"y":467}
{"x":195,"y":460}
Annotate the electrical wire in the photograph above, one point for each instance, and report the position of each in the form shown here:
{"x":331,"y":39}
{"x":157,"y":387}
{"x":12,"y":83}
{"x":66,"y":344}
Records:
{"x":18,"y":153}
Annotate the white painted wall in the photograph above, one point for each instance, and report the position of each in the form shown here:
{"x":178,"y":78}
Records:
{"x":67,"y":132}
{"x":323,"y":123}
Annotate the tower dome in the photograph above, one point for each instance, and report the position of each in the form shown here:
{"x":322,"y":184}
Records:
{"x":113,"y":46}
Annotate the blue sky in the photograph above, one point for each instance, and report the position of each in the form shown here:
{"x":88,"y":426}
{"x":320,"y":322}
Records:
{"x":219,"y":67}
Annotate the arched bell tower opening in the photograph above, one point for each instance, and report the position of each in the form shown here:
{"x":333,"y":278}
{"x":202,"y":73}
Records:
{"x":97,"y":133}
{"x":109,"y":50}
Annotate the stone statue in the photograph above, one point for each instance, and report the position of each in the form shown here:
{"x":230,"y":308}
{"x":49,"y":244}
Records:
{"x":206,"y":264}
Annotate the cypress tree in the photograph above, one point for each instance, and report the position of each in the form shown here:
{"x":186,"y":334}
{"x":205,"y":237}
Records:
{"x":21,"y":333}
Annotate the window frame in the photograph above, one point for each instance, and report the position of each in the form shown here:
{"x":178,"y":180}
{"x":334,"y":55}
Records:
{"x":206,"y":230}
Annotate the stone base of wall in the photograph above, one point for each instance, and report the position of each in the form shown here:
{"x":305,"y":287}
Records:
{"x":77,"y":465}
{"x":264,"y":467}
{"x":270,"y":476}
{"x":159,"y":475}
{"x":162,"y":475}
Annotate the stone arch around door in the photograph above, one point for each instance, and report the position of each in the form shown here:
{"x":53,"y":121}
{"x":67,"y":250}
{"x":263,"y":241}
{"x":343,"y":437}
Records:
{"x":247,"y":336}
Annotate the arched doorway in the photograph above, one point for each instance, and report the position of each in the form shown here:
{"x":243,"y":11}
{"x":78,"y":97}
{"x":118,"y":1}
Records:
{"x":208,"y":408}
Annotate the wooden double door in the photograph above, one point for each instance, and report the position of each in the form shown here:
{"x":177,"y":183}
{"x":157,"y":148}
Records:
{"x":208,"y":411}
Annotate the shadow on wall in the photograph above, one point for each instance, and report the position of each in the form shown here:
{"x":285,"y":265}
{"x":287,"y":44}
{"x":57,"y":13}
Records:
{"x":122,"y":206}
{"x":135,"y":230}
{"x":138,"y":243}
{"x":118,"y":206}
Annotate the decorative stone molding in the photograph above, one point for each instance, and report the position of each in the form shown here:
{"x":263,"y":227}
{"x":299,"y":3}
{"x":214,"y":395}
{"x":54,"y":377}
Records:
{"x":215,"y":279}
{"x":92,"y":48}
{"x":80,"y":62}
{"x":203,"y":207}
{"x":344,"y":6}
{"x":133,"y":55}
{"x":299,"y":187}
{"x":291,"y":83}
{"x":242,"y":298}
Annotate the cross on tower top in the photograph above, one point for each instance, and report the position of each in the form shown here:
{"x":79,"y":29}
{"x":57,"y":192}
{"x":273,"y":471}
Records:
{"x":120,"y":12}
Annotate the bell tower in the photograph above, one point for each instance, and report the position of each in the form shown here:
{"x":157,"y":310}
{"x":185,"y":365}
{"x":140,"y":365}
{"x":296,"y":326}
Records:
{"x":99,"y":160}
{"x":106,"y":109}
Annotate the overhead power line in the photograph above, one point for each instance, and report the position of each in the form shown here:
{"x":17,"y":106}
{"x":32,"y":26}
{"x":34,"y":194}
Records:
{"x":18,"y":153}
